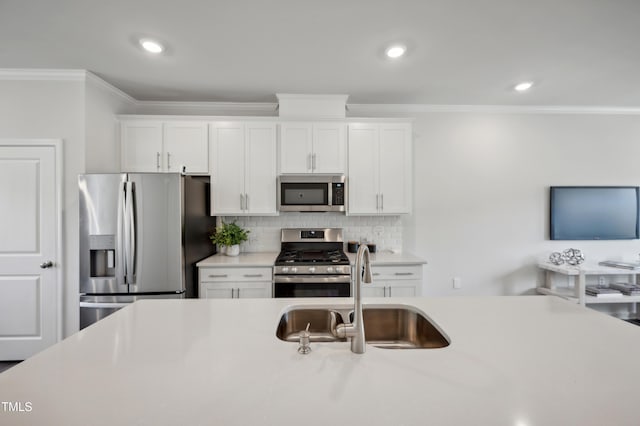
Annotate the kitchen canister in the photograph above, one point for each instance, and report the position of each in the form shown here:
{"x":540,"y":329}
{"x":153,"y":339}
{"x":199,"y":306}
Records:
{"x":352,"y":246}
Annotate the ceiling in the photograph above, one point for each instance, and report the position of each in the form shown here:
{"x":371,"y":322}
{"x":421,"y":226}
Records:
{"x":460,"y":52}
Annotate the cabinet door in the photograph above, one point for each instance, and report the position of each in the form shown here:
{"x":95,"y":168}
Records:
{"x":257,"y":290}
{"x":329,"y":148}
{"x":227,"y":168}
{"x":373,"y":290}
{"x":395,"y":168}
{"x":216,"y":291}
{"x":363,"y":173}
{"x":406,"y":288}
{"x":261,"y":171}
{"x":141,"y":146}
{"x":295,"y":148}
{"x":186,"y":144}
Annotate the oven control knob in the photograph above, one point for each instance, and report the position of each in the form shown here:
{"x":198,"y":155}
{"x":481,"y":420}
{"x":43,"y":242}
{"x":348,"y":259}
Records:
{"x":329,"y":269}
{"x":294,"y":269}
{"x":285,"y":269}
{"x":312,"y":269}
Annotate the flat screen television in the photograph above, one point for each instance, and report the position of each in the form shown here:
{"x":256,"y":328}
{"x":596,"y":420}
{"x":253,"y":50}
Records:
{"x":594,"y":212}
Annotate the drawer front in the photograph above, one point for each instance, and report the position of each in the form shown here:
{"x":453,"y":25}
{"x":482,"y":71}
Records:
{"x":235,"y":274}
{"x":410,"y":272}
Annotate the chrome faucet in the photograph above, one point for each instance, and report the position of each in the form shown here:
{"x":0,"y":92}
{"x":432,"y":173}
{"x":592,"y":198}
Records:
{"x":355,"y":330}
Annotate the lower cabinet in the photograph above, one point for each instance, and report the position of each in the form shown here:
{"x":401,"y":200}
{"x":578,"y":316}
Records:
{"x":394,"y":281}
{"x":235,"y":283}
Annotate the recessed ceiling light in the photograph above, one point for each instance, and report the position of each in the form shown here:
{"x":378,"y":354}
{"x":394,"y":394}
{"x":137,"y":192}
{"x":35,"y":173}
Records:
{"x":523,"y":87}
{"x":396,"y":51}
{"x":151,"y":45}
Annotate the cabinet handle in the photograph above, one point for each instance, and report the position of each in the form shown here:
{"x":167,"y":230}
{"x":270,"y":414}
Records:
{"x":377,"y":201}
{"x":158,"y":160}
{"x":252,"y":275}
{"x":313,"y":162}
{"x":241,"y":202}
{"x":384,"y":291}
{"x":375,"y":274}
{"x":389,"y":291}
{"x":218,"y":276}
{"x":403,"y":273}
{"x":309,"y":162}
{"x":168,"y":161}
{"x":381,"y":201}
{"x":246,"y":201}
{"x":237,"y":293}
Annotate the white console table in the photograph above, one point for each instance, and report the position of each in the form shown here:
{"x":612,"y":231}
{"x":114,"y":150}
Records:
{"x":579,"y":274}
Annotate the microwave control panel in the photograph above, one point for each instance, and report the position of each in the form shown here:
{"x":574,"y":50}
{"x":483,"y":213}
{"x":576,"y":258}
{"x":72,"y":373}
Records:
{"x":338,"y":194}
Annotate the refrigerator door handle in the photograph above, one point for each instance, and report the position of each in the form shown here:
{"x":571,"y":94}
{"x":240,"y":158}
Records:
{"x":130,"y":233}
{"x":120,"y":237}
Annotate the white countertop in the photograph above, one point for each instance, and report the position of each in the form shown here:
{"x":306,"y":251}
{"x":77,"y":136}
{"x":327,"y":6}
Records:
{"x":513,"y":360}
{"x":242,"y":260}
{"x":268,"y":259}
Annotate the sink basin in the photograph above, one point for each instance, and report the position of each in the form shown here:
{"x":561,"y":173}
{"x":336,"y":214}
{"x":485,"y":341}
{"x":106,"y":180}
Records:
{"x":295,"y":320}
{"x":385,"y":326}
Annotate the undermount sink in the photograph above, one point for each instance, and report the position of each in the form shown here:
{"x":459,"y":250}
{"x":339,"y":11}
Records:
{"x":385,"y":326}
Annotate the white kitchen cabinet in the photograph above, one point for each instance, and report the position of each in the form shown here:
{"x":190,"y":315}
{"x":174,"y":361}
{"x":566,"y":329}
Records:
{"x":243,"y":168}
{"x":312,"y":147}
{"x":394,"y":281}
{"x":164,"y":146}
{"x":380,"y":168}
{"x":235,"y":283}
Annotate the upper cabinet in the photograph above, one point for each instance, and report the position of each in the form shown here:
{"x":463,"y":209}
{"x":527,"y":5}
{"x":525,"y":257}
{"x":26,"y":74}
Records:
{"x":380,"y":168}
{"x":243,"y":168}
{"x":164,"y":146}
{"x":312,"y":147}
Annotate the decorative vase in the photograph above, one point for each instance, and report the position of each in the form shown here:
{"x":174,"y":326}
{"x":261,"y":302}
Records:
{"x":233,"y":250}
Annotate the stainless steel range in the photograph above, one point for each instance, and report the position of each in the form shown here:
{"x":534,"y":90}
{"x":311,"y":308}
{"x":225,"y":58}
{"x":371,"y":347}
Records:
{"x":312,"y":263}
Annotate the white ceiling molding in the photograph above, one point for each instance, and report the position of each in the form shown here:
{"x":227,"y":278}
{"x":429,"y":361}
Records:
{"x":364,"y":109}
{"x":263,"y":108}
{"x":42,"y":74}
{"x":92,"y":78}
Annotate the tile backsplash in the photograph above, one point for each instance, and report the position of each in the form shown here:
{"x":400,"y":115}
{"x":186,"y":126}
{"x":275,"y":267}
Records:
{"x":385,"y":231}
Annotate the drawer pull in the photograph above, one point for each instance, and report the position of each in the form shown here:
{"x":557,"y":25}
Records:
{"x":218,"y":276}
{"x":376,"y":274}
{"x":252,"y":275}
{"x":403,"y":273}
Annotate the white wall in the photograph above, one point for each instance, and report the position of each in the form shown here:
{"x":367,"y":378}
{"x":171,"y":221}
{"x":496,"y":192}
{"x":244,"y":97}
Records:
{"x":481,"y":209}
{"x":103,"y":102}
{"x":80,"y":110}
{"x":53,"y":109}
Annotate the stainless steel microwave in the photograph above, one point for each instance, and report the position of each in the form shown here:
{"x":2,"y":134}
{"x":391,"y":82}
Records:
{"x":312,"y":193}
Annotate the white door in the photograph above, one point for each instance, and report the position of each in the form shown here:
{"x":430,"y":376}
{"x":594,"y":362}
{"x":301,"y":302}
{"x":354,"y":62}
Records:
{"x":227,"y":168}
{"x":329,"y":148}
{"x":363,"y":169}
{"x":30,"y":179}
{"x":260,"y":172}
{"x":142,"y":146}
{"x":295,"y":148}
{"x":186,"y":144}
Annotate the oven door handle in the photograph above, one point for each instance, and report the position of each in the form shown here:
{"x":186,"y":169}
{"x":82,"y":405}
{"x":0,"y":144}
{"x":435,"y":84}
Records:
{"x":304,"y":279}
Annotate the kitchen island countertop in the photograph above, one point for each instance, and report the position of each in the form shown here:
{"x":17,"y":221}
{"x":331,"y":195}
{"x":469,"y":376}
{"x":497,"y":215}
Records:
{"x":513,"y":360}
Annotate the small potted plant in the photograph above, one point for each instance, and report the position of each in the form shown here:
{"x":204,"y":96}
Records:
{"x":229,"y":236}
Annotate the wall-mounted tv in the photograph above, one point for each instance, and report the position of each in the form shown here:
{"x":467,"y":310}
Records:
{"x":594,"y":212}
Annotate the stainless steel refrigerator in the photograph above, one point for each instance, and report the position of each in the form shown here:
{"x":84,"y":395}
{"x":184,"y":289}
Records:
{"x":141,"y":235}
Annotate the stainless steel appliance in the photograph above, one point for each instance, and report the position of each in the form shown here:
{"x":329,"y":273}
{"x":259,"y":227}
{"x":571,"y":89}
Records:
{"x":312,"y":263}
{"x":140,"y":237}
{"x":312,"y":193}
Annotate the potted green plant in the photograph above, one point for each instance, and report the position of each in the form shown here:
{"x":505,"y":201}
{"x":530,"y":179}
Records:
{"x":229,"y":236}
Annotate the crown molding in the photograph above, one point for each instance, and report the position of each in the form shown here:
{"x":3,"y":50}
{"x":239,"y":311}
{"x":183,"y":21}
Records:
{"x":92,"y":78}
{"x":489,"y":109}
{"x":266,"y":107}
{"x":42,"y":74}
